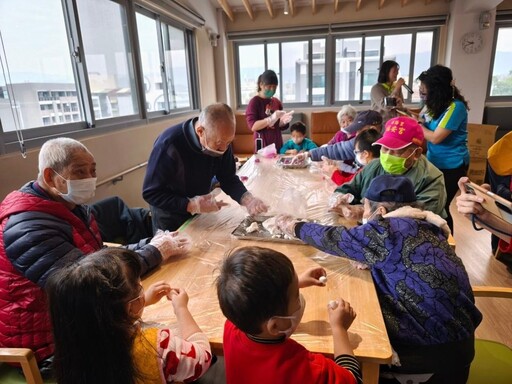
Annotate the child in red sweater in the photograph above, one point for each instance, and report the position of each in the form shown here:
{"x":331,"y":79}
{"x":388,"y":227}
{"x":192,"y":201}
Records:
{"x":258,"y":291}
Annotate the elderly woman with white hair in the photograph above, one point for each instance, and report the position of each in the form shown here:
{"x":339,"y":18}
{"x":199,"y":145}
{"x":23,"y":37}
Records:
{"x":43,"y":227}
{"x":345,"y":117}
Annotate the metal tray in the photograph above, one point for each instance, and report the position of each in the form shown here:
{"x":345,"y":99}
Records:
{"x":286,"y":163}
{"x":261,"y":234}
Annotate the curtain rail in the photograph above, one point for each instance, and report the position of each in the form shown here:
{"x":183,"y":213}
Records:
{"x":119,"y":177}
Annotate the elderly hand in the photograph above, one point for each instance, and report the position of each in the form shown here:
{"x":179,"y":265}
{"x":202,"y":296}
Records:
{"x":155,"y":292}
{"x":286,"y":224}
{"x":312,"y":277}
{"x":170,"y":243}
{"x":272,"y":119}
{"x":350,"y":212}
{"x":204,"y":204}
{"x":253,"y":205}
{"x":286,"y":118}
{"x":337,"y":199}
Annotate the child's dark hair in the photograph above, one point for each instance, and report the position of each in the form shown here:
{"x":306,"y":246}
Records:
{"x":384,"y":70}
{"x":441,"y":90}
{"x":92,"y":328}
{"x":365,"y":139}
{"x":253,"y":286}
{"x":299,"y":127}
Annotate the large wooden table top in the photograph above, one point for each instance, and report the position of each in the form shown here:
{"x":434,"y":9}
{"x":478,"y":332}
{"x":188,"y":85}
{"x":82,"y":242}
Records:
{"x":212,"y":239}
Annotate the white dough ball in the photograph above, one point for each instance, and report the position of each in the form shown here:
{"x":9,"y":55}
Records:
{"x":333,"y":304}
{"x":323,"y":279}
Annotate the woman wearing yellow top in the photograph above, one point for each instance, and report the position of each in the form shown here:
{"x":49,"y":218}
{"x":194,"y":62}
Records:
{"x":387,"y":88}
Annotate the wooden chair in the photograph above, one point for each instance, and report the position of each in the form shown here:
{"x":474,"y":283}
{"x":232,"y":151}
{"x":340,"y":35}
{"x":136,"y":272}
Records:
{"x":243,"y":144}
{"x":324,"y":125}
{"x":493,"y":360}
{"x":25,"y":357}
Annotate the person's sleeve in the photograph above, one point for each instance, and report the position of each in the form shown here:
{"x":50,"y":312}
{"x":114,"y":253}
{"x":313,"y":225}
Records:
{"x":183,"y":360}
{"x":228,"y":179}
{"x":149,"y":256}
{"x":343,"y":150}
{"x":336,"y":240}
{"x":433,"y":191}
{"x":351,"y":364}
{"x":377,"y":94}
{"x":251,"y":113}
{"x":453,"y":117}
{"x":38,"y":244}
{"x":285,"y":147}
{"x":159,"y":189}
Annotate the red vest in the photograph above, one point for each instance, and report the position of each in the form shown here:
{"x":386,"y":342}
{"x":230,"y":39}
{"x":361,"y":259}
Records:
{"x":24,"y":317}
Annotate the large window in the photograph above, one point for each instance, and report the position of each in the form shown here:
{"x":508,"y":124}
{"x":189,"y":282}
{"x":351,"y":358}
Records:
{"x":299,"y":65}
{"x":70,"y":65}
{"x":357,"y":69}
{"x":501,"y":80}
{"x":37,"y":84}
{"x":166,"y":60}
{"x":312,"y":74}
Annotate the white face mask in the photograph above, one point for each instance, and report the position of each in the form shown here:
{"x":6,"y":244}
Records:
{"x":359,"y":160}
{"x":295,"y":318}
{"x":210,"y":151}
{"x":366,"y":219}
{"x":298,"y":141}
{"x":79,"y":191}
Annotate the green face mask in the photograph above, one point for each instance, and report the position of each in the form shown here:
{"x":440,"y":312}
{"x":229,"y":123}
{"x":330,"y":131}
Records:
{"x":269,"y":93}
{"x":394,"y":165}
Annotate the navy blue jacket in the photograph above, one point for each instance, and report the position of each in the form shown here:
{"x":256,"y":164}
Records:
{"x":178,"y":170}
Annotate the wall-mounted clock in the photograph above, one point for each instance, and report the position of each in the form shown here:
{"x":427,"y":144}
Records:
{"x":472,"y":42}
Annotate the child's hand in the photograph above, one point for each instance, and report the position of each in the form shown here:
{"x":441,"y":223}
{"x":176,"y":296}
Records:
{"x":292,"y":152}
{"x":179,"y":298}
{"x":311,"y":277}
{"x":341,"y":314}
{"x":155,"y":292}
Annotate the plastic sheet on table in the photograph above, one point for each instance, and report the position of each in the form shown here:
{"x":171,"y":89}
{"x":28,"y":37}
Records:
{"x":196,"y":272}
{"x":303,"y":193}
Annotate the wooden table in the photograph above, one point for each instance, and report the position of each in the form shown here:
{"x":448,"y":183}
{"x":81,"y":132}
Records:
{"x":211,"y":236}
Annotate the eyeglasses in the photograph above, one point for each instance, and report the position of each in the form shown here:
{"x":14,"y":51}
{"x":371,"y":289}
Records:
{"x":139,"y":296}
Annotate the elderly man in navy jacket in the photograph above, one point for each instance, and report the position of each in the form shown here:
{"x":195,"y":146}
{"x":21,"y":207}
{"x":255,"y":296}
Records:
{"x":185,"y":159}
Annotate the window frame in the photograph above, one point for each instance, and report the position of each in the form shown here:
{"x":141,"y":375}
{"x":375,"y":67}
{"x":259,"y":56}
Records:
{"x":503,"y":20}
{"x":36,"y":136}
{"x":330,"y":58}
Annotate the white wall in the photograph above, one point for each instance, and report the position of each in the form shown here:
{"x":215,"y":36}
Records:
{"x":471,"y":71}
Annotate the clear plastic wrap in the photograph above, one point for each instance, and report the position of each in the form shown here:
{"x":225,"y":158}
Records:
{"x":211,"y":237}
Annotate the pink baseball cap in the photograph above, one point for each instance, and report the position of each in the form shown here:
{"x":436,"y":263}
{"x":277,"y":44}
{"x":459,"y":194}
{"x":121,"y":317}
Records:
{"x":400,"y":132}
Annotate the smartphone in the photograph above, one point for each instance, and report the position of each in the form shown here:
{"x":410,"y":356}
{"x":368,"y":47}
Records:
{"x":493,"y":203}
{"x":258,"y":144}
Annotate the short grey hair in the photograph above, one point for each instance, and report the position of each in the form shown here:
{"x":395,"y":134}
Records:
{"x":216,"y":113}
{"x":348,"y":110}
{"x":57,"y":153}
